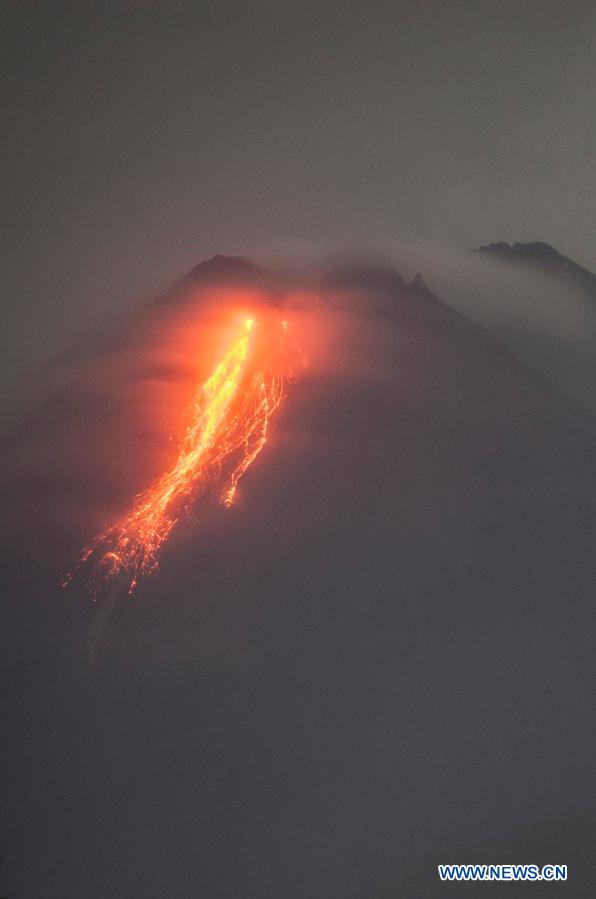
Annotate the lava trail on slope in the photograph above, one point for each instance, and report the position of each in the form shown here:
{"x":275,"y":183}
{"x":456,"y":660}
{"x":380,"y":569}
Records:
{"x":228,"y":425}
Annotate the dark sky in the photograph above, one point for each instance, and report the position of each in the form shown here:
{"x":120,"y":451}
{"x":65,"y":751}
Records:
{"x":143,"y":136}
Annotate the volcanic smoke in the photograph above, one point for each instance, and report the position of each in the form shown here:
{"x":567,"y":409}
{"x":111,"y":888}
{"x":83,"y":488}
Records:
{"x":228,"y":426}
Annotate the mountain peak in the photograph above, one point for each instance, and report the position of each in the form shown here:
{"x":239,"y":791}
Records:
{"x":545,"y":256}
{"x":218,"y":271}
{"x":224,"y":268}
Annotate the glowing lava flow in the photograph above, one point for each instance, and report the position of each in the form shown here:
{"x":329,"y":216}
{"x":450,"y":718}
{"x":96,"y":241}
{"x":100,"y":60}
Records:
{"x":228,"y":429}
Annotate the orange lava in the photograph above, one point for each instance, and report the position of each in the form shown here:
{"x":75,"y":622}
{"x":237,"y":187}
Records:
{"x":229,"y":422}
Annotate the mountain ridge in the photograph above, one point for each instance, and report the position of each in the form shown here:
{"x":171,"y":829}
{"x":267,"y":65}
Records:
{"x":543,"y":255}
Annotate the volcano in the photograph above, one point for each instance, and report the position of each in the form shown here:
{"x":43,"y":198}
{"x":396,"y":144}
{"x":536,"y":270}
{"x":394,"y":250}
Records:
{"x":380,"y":654}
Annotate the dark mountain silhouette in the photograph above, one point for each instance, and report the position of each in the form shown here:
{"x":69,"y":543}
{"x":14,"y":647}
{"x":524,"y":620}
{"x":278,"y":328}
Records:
{"x":219,"y":270}
{"x":380,"y":659}
{"x":544,"y":257}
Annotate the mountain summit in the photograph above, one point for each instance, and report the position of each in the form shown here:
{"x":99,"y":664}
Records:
{"x":545,"y":256}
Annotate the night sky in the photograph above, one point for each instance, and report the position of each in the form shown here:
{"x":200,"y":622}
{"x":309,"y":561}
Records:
{"x":142,"y":137}
{"x":381,"y":657}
